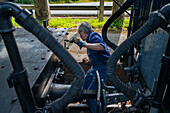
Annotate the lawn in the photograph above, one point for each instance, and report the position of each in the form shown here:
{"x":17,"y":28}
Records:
{"x":74,"y":22}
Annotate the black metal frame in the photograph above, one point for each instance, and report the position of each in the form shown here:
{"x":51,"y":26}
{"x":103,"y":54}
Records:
{"x":162,"y":81}
{"x":139,"y":14}
{"x":19,"y":80}
{"x":18,"y":77}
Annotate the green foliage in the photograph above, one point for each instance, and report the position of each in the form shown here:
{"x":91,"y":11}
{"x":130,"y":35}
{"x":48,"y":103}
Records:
{"x":118,"y":24}
{"x":24,"y":1}
{"x":67,"y":1}
{"x":126,"y":22}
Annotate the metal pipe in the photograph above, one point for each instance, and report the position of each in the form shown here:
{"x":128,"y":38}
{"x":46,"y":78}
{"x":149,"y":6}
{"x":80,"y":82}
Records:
{"x":121,"y":6}
{"x":18,"y":78}
{"x":25,"y":19}
{"x":13,"y":52}
{"x":125,"y":6}
{"x":155,"y":20}
{"x":137,"y":5}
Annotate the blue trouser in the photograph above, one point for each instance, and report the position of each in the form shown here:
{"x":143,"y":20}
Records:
{"x":90,"y":85}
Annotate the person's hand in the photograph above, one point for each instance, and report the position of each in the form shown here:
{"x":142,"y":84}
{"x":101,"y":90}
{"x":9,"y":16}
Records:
{"x":78,"y":42}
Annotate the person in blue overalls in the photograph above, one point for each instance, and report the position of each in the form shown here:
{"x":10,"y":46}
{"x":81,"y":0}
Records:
{"x":98,"y":54}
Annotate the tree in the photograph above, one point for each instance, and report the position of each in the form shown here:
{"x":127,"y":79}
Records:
{"x":42,"y":9}
{"x":101,"y":10}
{"x":115,"y":7}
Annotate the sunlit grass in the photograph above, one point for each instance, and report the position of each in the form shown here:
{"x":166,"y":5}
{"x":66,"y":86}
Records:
{"x":14,"y":23}
{"x":74,"y":23}
{"x":126,"y":22}
{"x":73,"y":1}
{"x":71,"y":22}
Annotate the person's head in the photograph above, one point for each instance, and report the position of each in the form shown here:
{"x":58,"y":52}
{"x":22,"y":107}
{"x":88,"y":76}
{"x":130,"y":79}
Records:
{"x":84,"y":29}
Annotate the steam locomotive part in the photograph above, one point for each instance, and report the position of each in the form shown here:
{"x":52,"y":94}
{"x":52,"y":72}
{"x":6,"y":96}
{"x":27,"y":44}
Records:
{"x":48,"y":82}
{"x":140,"y":94}
{"x":25,"y":19}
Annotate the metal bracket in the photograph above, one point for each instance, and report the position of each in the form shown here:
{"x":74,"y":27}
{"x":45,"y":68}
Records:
{"x":14,"y":78}
{"x":66,"y":44}
{"x":166,"y":59}
{"x":162,"y":16}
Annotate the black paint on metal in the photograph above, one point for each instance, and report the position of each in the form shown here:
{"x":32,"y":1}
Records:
{"x":155,"y":20}
{"x":163,"y":78}
{"x":125,"y":6}
{"x":19,"y":75}
{"x":121,"y":6}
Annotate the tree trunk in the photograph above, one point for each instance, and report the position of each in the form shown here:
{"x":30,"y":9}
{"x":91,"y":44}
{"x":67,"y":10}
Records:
{"x":42,"y":9}
{"x":101,"y":10}
{"x":116,"y":7}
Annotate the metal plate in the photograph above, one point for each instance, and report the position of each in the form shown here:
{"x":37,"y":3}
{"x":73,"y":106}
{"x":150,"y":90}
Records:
{"x":34,"y":56}
{"x":153,"y":47}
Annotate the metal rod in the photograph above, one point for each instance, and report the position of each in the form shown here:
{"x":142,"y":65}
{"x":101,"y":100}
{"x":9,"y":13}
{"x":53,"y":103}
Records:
{"x":121,"y":6}
{"x":13,"y":52}
{"x":20,"y":75}
{"x":137,"y":5}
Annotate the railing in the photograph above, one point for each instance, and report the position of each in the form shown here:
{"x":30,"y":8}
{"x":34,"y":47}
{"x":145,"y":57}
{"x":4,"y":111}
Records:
{"x":70,"y":7}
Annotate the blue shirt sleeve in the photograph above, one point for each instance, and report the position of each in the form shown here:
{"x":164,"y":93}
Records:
{"x":97,"y":39}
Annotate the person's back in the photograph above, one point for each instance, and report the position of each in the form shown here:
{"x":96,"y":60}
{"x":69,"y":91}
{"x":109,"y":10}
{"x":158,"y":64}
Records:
{"x":98,"y":58}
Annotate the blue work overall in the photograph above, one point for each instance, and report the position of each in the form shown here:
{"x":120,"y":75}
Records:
{"x":98,"y":61}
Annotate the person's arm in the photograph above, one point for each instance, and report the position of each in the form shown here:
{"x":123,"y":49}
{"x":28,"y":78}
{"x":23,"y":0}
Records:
{"x":94,"y":46}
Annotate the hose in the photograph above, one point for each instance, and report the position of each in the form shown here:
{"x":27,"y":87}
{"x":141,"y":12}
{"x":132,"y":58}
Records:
{"x":124,"y":7}
{"x":25,"y":19}
{"x":155,"y":20}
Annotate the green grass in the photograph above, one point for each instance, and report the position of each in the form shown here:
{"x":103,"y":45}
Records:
{"x":73,"y":23}
{"x":73,"y":1}
{"x":14,"y":23}
{"x":58,"y":1}
{"x":126,"y":22}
